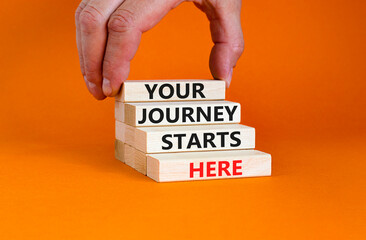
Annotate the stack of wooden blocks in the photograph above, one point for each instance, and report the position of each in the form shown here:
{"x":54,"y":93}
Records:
{"x":179,"y":130}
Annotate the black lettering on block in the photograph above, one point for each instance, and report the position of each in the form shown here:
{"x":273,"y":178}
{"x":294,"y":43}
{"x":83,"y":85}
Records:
{"x":151,"y":91}
{"x":166,"y":141}
{"x":171,"y":91}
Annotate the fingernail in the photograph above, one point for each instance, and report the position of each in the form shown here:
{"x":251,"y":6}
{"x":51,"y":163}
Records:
{"x":92,"y":85}
{"x":107,"y":89}
{"x":228,"y":79}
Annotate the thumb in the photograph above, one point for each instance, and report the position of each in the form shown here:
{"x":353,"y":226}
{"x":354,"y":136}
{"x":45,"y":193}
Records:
{"x":226,"y":34}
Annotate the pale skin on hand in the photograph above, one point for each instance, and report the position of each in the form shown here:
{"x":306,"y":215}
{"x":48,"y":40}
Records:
{"x":108,"y":33}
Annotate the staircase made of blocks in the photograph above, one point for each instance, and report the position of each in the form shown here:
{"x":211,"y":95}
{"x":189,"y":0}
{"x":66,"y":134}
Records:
{"x":181,"y":130}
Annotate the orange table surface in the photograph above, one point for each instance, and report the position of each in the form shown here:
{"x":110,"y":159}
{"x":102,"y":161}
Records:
{"x":76,"y":191}
{"x":301,"y":84}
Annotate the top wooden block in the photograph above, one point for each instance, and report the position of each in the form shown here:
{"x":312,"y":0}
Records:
{"x":171,"y":90}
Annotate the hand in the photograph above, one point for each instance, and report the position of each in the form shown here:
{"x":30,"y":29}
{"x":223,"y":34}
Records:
{"x":108,"y":33}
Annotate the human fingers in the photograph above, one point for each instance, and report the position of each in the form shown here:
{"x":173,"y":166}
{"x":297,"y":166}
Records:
{"x":125,"y":27}
{"x":226,"y":34}
{"x":92,"y":37}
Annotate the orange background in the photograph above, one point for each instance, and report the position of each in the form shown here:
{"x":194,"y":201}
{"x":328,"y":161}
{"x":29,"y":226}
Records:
{"x":301,"y":82}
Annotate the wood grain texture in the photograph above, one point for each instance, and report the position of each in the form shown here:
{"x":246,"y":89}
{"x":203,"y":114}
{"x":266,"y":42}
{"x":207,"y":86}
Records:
{"x":119,"y":111}
{"x":187,"y":138}
{"x":178,"y":113}
{"x":119,"y":150}
{"x":130,"y":156}
{"x":189,"y":166}
{"x":171,"y":90}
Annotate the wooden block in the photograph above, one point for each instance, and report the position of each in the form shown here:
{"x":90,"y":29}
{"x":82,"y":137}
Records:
{"x":125,"y":133}
{"x":168,"y":167}
{"x":130,"y":156}
{"x":171,"y":90}
{"x":187,"y":138}
{"x":188,"y":166}
{"x":178,"y":113}
{"x":136,"y":159}
{"x":140,"y":161}
{"x":119,"y":111}
{"x":119,"y":150}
